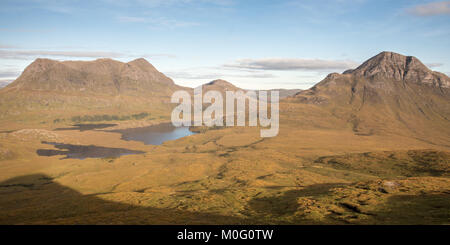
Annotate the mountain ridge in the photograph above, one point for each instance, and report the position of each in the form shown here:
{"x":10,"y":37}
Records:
{"x":387,"y":93}
{"x":101,"y":75}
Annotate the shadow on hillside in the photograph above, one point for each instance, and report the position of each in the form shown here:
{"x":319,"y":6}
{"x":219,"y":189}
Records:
{"x":37,"y":199}
{"x":286,"y":203}
{"x":423,"y":209}
{"x":86,"y":127}
{"x":84,"y":151}
{"x":426,"y":208}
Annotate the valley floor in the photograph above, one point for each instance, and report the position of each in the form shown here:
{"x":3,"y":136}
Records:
{"x":227,"y":176}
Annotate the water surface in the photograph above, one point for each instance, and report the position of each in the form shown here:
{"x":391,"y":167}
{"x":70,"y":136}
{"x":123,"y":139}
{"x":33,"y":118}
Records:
{"x":155,"y":134}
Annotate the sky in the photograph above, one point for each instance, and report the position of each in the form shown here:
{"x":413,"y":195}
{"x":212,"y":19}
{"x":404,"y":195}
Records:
{"x":254,"y":44}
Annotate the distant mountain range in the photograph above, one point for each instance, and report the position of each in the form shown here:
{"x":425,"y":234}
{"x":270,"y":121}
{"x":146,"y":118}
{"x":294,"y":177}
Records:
{"x":222,"y":85}
{"x":388,"y":93}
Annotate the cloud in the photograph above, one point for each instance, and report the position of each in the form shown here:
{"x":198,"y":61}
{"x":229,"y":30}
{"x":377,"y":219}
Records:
{"x":32,"y":54}
{"x":168,"y":3}
{"x":153,"y":56}
{"x":431,"y":9}
{"x":2,"y":46}
{"x":26,"y":54}
{"x":171,"y":23}
{"x":434,"y":65}
{"x":24,"y":30}
{"x":283,"y":64}
{"x":157,"y":22}
{"x":131,"y":19}
{"x":8,"y":74}
{"x":188,"y":75}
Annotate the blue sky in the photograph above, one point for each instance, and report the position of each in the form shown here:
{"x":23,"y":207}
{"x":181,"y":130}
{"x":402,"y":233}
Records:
{"x":255,"y":44}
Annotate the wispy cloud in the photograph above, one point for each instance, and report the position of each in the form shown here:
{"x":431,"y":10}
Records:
{"x":434,"y":65}
{"x":164,"y":3}
{"x":6,"y":75}
{"x":27,"y":54}
{"x":25,"y":30}
{"x":171,"y":23}
{"x":157,"y":22}
{"x":284,"y":64}
{"x":211,"y":76}
{"x":153,"y":56}
{"x":131,"y":19}
{"x":431,"y":9}
{"x":55,"y":6}
{"x":15,"y":54}
{"x":2,"y":46}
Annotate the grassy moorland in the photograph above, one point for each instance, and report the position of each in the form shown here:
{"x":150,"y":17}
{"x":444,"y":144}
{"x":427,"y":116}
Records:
{"x":231,"y":175}
{"x":351,"y":150}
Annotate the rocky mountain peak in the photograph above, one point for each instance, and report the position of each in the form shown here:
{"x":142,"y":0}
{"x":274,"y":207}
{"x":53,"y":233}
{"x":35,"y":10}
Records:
{"x":219,"y":82}
{"x":219,"y":85}
{"x":393,"y":66}
{"x":142,"y":63}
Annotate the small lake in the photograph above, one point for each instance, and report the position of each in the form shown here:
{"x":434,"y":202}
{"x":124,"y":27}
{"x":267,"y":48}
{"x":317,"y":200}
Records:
{"x":84,"y":151}
{"x":155,"y":134}
{"x":151,"y":135}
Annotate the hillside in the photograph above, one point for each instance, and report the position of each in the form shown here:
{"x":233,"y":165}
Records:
{"x":389,"y":93}
{"x":63,"y":89}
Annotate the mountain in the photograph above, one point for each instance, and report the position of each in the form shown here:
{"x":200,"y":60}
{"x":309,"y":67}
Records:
{"x":389,"y":65}
{"x":219,"y":85}
{"x":104,"y":76}
{"x":77,"y":88}
{"x":389,"y":93}
{"x":284,"y":93}
{"x":222,"y":86}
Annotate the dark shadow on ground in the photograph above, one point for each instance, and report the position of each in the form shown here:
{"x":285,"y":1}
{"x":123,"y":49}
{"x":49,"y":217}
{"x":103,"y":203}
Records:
{"x":37,"y":199}
{"x":86,"y":127}
{"x":84,"y":151}
{"x":6,"y":131}
{"x":286,"y":203}
{"x":401,"y":209}
{"x":424,"y":209}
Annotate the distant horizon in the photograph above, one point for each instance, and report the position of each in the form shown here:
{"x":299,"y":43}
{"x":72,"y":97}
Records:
{"x":219,"y":78}
{"x":286,"y":44}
